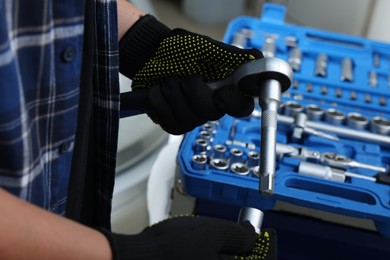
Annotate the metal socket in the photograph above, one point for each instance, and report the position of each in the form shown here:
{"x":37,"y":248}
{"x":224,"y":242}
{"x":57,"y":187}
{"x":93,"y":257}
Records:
{"x":357,"y":121}
{"x":321,"y":65}
{"x":346,"y":70}
{"x":334,"y":116}
{"x":256,"y":170}
{"x":295,"y":59}
{"x":199,"y":161}
{"x":240,"y":38}
{"x":380,"y":125}
{"x":206,"y":135}
{"x":219,"y":164}
{"x":254,"y":216}
{"x":235,"y":155}
{"x":314,"y":112}
{"x":239,"y":168}
{"x":200,"y":146}
{"x":373,"y":79}
{"x":253,"y":159}
{"x":219,"y":151}
{"x":269,"y":47}
{"x":209,"y":128}
{"x":291,"y":108}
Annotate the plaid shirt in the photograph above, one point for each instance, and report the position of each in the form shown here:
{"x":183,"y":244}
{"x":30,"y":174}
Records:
{"x":40,"y":60}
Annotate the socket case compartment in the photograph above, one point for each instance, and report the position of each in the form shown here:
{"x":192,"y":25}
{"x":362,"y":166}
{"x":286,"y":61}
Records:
{"x":360,"y":87}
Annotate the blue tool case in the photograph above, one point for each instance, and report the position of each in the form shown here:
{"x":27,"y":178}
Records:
{"x":333,"y":136}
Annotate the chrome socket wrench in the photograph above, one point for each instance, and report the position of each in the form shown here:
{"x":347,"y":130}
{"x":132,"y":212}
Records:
{"x":341,"y":161}
{"x":341,"y":131}
{"x":329,"y":173}
{"x":300,"y":128}
{"x":265,"y":78}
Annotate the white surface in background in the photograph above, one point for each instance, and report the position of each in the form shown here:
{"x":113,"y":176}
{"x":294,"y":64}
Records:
{"x":161,"y":181}
{"x":344,"y":16}
{"x":380,"y":19}
{"x":129,"y":211}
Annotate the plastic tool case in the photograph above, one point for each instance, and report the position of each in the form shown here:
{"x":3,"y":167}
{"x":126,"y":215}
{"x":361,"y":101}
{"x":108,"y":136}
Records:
{"x":336,"y":111}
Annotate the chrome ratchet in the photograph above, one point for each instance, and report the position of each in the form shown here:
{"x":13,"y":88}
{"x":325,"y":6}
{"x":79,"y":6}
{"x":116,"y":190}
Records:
{"x":341,"y":161}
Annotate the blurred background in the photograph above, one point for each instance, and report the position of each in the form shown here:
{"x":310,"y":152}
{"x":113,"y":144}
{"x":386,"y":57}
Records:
{"x":141,"y":141}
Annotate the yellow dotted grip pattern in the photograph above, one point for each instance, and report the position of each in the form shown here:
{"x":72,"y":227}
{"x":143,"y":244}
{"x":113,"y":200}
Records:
{"x":261,"y":250}
{"x":185,"y":54}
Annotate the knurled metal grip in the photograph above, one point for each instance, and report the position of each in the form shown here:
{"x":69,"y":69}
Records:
{"x":265,"y":78}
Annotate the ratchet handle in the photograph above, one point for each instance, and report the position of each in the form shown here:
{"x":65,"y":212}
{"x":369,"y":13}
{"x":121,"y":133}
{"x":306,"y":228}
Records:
{"x":248,"y":78}
{"x":137,"y":102}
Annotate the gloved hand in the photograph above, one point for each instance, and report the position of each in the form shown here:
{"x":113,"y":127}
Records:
{"x":176,"y":65}
{"x":191,"y":237}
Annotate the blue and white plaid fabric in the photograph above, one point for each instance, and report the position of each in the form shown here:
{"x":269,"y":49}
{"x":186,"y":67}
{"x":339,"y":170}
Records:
{"x":40,"y":59}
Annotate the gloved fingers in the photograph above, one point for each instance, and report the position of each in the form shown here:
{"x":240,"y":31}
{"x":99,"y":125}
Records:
{"x":225,"y":237}
{"x":232,"y":238}
{"x":162,"y":113}
{"x":182,"y":110}
{"x":200,"y":98}
{"x":265,"y":248}
{"x":171,"y":109}
{"x":194,"y":237}
{"x":182,"y":54}
{"x":234,"y":103}
{"x":180,"y":105}
{"x":255,"y":53}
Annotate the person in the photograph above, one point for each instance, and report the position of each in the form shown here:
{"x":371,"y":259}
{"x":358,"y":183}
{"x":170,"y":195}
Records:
{"x":59,"y":71}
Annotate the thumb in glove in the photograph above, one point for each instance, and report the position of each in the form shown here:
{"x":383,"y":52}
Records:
{"x":187,"y":237}
{"x":180,"y":105}
{"x":151,"y":54}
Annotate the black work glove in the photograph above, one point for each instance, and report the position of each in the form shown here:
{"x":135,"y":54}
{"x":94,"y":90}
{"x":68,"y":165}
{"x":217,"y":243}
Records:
{"x":192,"y":237}
{"x":175,"y":65}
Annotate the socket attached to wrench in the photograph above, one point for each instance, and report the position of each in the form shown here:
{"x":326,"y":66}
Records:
{"x":264,"y":78}
{"x":272,"y":77}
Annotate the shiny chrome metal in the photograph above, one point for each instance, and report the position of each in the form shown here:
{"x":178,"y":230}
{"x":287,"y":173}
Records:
{"x":199,"y":161}
{"x":341,"y":161}
{"x":254,"y":216}
{"x":357,"y":121}
{"x":380,"y":125}
{"x":240,"y":169}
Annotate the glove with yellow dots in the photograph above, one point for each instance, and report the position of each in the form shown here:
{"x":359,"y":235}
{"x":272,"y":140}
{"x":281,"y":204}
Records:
{"x":176,"y":65}
{"x":265,"y":247}
{"x":193,"y":237}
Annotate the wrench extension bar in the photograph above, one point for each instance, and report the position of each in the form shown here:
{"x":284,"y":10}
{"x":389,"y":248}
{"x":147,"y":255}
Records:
{"x":340,"y":131}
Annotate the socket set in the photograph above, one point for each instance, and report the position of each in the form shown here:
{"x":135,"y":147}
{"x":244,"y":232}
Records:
{"x":333,"y":130}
